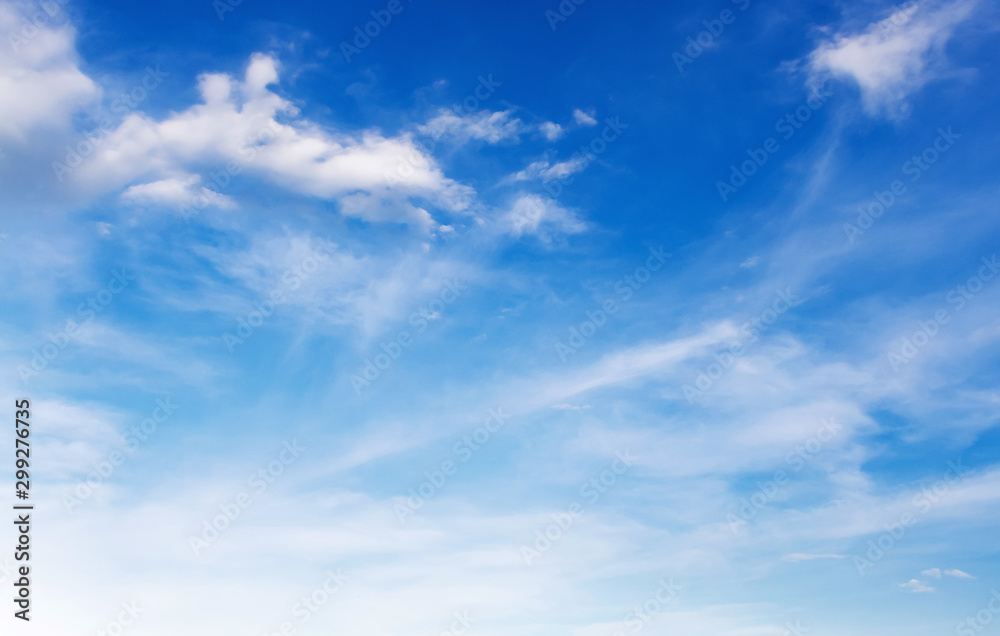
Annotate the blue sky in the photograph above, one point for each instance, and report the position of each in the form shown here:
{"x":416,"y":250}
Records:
{"x":516,"y":318}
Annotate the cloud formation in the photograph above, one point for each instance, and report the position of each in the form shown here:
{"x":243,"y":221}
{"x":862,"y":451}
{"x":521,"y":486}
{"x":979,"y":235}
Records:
{"x":916,"y":586}
{"x":41,"y":84}
{"x":894,"y":57}
{"x":491,"y":127}
{"x":244,"y":127}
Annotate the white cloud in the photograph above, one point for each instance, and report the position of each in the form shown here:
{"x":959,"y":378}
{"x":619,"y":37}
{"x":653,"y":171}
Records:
{"x":621,"y":366}
{"x":483,"y":125}
{"x":551,"y":130}
{"x":544,"y":391}
{"x":236,"y":129}
{"x":541,"y":217}
{"x":916,"y":586}
{"x":76,"y":436}
{"x":959,"y":574}
{"x":544,"y":171}
{"x":750,"y":262}
{"x":936,"y":573}
{"x":894,"y":57}
{"x":177,"y":193}
{"x":386,"y":207}
{"x":361,"y":291}
{"x":583,"y":119}
{"x":40,"y":82}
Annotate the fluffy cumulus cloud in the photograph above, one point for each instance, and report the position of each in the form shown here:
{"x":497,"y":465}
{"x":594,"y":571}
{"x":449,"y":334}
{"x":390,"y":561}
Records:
{"x":542,"y":217}
{"x":242,"y":128}
{"x":893,"y":57}
{"x":41,"y":84}
{"x":236,"y":130}
{"x":551,"y":130}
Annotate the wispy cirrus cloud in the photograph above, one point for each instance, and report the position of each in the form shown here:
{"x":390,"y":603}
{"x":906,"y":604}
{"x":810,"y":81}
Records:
{"x":484,"y":125}
{"x":893,"y":58}
{"x":545,"y":171}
